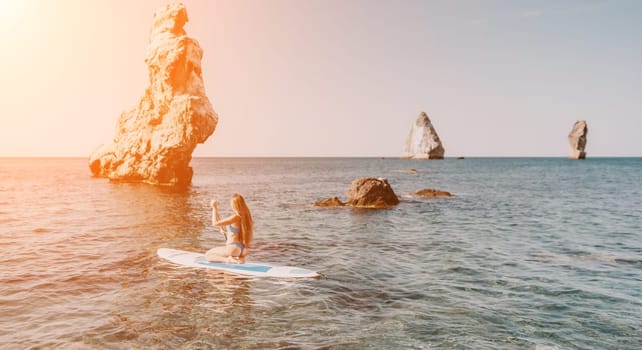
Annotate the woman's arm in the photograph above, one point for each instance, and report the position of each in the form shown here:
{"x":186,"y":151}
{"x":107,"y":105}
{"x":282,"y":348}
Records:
{"x":227,"y":221}
{"x":216,"y":219}
{"x":215,"y":216}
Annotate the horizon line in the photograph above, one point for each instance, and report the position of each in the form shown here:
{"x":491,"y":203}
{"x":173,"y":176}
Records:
{"x":337,"y":157}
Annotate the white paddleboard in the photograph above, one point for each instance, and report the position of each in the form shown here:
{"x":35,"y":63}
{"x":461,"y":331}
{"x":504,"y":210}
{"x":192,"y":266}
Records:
{"x":192,"y":259}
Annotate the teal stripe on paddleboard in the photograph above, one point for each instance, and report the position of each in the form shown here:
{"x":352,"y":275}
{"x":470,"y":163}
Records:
{"x":241,"y":267}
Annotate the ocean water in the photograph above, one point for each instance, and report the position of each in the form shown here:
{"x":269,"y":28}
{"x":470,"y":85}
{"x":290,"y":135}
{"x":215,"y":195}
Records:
{"x":531,"y":253}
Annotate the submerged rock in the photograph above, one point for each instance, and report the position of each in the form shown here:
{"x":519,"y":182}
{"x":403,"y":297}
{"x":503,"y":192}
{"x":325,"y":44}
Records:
{"x":577,"y":140}
{"x":423,"y":141}
{"x":369,"y":192}
{"x":330,"y":202}
{"x":430,"y":192}
{"x":154,"y":141}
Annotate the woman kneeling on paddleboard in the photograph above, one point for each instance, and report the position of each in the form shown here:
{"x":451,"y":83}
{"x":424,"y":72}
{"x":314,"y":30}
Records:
{"x":237,"y":229}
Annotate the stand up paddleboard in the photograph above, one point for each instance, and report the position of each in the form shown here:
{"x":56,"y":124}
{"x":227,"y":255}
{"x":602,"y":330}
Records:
{"x":192,"y":259}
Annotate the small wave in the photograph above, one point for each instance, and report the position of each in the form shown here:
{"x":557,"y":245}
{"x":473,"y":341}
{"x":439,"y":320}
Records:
{"x":8,"y":220}
{"x":585,"y":257}
{"x":359,"y":299}
{"x":277,"y":246}
{"x":546,"y":347}
{"x":41,"y":230}
{"x":628,"y":261}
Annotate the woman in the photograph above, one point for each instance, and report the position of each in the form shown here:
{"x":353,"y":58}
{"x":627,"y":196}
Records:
{"x":237,"y":229}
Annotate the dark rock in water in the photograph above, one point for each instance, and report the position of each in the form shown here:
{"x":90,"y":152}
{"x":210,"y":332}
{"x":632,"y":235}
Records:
{"x":577,"y":140}
{"x":423,"y":141}
{"x":460,"y":157}
{"x":365,"y":192}
{"x":154,"y":141}
{"x":369,"y":192}
{"x":430,"y":192}
{"x":330,"y":202}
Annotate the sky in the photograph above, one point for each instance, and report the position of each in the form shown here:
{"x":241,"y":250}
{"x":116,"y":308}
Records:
{"x":332,"y":77}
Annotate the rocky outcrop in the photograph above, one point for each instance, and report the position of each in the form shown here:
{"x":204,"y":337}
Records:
{"x":368,"y":192}
{"x":432,"y":193}
{"x":423,"y":141}
{"x":577,"y":140}
{"x":154,"y":141}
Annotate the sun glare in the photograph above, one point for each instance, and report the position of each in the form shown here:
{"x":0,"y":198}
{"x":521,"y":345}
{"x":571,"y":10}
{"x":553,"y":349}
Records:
{"x":7,"y":8}
{"x":13,"y":11}
{"x":8,"y":15}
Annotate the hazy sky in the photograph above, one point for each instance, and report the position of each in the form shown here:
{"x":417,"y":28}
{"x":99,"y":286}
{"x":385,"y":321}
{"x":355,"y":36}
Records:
{"x":335,"y":78}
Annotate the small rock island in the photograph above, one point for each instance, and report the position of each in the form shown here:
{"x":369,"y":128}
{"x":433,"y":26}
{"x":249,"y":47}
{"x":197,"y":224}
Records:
{"x":365,"y":192}
{"x":423,"y":141}
{"x":577,"y":140}
{"x":155,"y":140}
{"x":433,"y":193}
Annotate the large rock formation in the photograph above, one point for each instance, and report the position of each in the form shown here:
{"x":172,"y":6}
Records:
{"x":154,"y":141}
{"x":368,"y":192}
{"x":423,"y":141}
{"x":577,"y":140}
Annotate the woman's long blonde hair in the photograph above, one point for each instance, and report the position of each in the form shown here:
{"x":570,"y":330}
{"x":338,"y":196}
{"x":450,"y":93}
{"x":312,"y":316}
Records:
{"x":247,"y":225}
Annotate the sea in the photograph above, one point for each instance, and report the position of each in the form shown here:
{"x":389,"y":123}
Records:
{"x":529,"y":253}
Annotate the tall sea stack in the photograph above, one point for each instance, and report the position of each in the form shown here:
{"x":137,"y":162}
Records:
{"x":423,"y":141}
{"x":155,"y":140}
{"x":577,"y":140}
